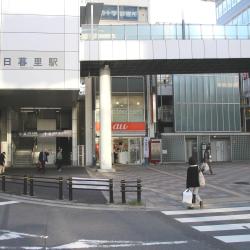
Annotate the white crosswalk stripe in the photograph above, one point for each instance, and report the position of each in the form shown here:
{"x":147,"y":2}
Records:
{"x":203,"y":220}
{"x":3,"y":203}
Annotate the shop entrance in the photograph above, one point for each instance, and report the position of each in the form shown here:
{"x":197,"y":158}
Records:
{"x":220,"y":149}
{"x":191,"y":148}
{"x":127,"y":150}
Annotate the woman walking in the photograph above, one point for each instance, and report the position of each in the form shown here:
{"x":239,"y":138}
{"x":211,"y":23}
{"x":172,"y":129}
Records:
{"x":193,"y":183}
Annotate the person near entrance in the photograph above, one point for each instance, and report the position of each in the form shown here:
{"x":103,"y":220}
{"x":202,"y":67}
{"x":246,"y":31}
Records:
{"x":59,"y":159}
{"x":2,"y":162}
{"x":207,"y":159}
{"x":43,"y":158}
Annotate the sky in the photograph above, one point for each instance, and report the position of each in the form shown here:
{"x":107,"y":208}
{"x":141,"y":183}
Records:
{"x":170,"y":11}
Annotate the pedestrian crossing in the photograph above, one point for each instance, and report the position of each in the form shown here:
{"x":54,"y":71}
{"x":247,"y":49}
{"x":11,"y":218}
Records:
{"x":4,"y":203}
{"x":229,"y":225}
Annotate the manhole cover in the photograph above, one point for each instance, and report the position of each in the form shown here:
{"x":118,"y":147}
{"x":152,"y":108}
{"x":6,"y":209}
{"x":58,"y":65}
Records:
{"x":242,"y":183}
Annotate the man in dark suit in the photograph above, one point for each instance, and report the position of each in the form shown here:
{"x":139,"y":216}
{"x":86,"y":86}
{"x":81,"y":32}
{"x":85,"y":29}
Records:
{"x":43,"y":158}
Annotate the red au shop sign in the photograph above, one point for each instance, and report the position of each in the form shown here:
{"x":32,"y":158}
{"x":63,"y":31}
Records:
{"x":124,"y":126}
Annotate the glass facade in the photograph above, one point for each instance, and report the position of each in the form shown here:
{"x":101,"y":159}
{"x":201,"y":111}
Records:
{"x":207,"y":103}
{"x":165,"y":31}
{"x":128,"y":103}
{"x":225,"y":6}
{"x":242,"y":19}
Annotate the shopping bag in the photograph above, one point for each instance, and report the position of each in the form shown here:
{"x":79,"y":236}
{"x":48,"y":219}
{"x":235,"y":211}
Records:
{"x":204,"y":167}
{"x":187,"y":196}
{"x":202,"y":179}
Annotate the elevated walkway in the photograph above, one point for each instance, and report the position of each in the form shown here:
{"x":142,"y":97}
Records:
{"x":161,"y":48}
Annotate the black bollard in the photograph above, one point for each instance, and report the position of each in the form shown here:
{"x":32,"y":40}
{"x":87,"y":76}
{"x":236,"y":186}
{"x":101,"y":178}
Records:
{"x":123,"y":190}
{"x":25,"y":185}
{"x":138,"y":190}
{"x":3,"y":183}
{"x":70,"y":190}
{"x":111,"y":195}
{"x":31,"y":186}
{"x":60,"y":187}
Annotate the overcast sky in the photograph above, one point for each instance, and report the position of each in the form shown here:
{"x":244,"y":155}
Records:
{"x":170,"y":11}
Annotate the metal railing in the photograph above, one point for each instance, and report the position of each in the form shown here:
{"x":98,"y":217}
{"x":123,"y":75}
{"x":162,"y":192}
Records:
{"x":131,"y":187}
{"x":165,"y":31}
{"x":30,"y":183}
{"x":90,"y":184}
{"x":46,"y":182}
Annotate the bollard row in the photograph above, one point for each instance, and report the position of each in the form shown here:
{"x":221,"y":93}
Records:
{"x":105,"y":185}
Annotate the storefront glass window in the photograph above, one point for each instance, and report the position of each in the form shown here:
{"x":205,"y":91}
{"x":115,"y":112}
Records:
{"x":119,"y":108}
{"x":135,"y":84}
{"x":136,"y":107}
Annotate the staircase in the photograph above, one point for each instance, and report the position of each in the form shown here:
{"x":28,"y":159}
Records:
{"x":23,"y":159}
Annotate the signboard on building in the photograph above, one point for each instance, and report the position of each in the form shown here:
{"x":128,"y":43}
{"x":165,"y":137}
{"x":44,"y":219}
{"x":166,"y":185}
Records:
{"x":32,"y":60}
{"x":125,"y":126}
{"x":64,"y":133}
{"x":155,"y":150}
{"x":109,"y":12}
{"x":128,"y":13}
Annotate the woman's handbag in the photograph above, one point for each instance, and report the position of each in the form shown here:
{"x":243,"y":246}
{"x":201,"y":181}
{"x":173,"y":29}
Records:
{"x":204,"y":167}
{"x":201,"y":179}
{"x":187,"y":196}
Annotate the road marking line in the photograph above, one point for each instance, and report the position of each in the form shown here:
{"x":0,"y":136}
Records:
{"x":81,"y":244}
{"x":214,"y":218}
{"x":204,"y":211}
{"x":8,"y":235}
{"x":224,"y":227}
{"x":234,"y":238}
{"x":3,"y":203}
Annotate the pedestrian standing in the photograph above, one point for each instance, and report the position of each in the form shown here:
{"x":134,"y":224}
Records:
{"x":43,"y":158}
{"x":193,"y":183}
{"x":207,"y":159}
{"x":2,"y":162}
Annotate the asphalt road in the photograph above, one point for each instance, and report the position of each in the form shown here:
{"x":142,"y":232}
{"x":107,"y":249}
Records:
{"x":24,"y":225}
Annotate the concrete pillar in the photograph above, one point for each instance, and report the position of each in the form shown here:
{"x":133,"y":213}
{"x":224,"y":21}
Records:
{"x":149,"y":104}
{"x":6,"y":137}
{"x":74,"y":135}
{"x":88,"y":121}
{"x":105,"y":120}
{"x":9,"y":139}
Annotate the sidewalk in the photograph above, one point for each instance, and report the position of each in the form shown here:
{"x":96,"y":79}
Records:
{"x":162,"y":185}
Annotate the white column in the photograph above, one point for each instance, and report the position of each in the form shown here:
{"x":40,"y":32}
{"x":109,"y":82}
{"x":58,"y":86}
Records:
{"x":150,"y":109}
{"x":74,"y":135}
{"x":105,"y":120}
{"x":88,"y":121}
{"x":9,"y":139}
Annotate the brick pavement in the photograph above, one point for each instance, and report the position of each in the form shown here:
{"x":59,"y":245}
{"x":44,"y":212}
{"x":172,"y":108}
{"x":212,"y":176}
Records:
{"x":163,"y":184}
